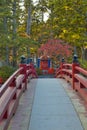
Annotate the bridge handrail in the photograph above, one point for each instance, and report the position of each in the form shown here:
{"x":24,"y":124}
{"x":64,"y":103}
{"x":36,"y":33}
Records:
{"x":76,"y":75}
{"x":63,"y":67}
{"x":9,"y":81}
{"x":81,"y":70}
{"x":67,"y":65}
{"x":11,"y":91}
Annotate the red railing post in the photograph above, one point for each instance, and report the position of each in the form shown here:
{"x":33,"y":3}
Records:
{"x":61,"y":67}
{"x":5,"y":115}
{"x":24,"y":71}
{"x":13,"y":84}
{"x":74,"y":64}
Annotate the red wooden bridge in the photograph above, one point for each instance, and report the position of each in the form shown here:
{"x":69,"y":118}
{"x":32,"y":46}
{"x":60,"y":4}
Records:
{"x":31,"y":103}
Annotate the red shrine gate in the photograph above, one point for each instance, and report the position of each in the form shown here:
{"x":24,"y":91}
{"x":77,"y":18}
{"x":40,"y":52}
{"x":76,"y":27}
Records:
{"x":44,"y":63}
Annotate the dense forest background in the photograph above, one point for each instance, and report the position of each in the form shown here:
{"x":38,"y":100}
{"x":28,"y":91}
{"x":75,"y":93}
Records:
{"x":24,"y":29}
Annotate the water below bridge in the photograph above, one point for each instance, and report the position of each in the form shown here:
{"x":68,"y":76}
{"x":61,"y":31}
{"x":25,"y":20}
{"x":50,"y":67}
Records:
{"x":46,"y":105}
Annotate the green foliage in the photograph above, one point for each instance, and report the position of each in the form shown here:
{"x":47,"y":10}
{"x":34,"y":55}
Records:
{"x":39,"y":71}
{"x":6,"y":72}
{"x":69,"y":59}
{"x":71,"y":17}
{"x":83,"y":63}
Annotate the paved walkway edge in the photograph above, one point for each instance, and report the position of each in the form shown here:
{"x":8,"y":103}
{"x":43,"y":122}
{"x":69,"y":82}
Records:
{"x":20,"y":120}
{"x":77,"y":101}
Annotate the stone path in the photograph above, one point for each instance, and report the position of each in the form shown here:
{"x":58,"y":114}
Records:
{"x":49,"y":104}
{"x":52,"y":108}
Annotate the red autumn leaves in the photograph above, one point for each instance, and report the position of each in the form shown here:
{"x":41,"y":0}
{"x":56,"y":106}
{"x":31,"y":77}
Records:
{"x":55,"y":48}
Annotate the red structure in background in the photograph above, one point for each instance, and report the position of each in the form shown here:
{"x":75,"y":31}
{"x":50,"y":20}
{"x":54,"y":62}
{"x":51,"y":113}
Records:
{"x":44,"y":63}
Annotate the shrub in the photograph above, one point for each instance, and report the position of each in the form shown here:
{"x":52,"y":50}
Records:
{"x":83,"y":64}
{"x":6,"y":72}
{"x":39,"y":71}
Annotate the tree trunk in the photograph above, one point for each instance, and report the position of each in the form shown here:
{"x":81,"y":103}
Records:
{"x":29,"y":20}
{"x":6,"y":33}
{"x":14,"y":63}
{"x":75,"y":50}
{"x":83,"y":53}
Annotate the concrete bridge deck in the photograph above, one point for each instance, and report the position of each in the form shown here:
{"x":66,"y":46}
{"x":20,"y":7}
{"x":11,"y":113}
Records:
{"x":49,"y":104}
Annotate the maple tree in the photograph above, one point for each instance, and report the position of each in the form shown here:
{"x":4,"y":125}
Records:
{"x":56,"y":49}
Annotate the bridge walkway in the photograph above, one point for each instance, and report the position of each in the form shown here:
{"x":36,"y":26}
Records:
{"x":46,"y":106}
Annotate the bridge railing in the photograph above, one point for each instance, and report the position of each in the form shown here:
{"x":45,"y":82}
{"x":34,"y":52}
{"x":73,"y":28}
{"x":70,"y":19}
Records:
{"x":11,"y":91}
{"x":76,"y":75}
